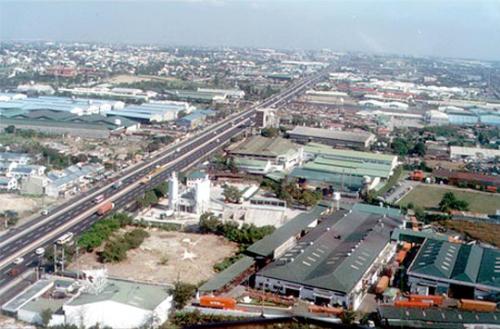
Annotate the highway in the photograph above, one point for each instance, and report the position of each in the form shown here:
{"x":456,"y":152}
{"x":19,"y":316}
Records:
{"x":76,"y":216}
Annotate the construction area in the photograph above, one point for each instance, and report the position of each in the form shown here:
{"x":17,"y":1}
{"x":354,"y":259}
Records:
{"x":165,"y":257}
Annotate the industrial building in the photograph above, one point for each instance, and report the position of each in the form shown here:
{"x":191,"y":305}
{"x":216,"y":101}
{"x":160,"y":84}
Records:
{"x":325,"y":97}
{"x":473,"y":153}
{"x":466,"y":179}
{"x":93,"y":300}
{"x":66,"y":123}
{"x":195,"y":119}
{"x":196,"y":96}
{"x":330,"y":259}
{"x":161,"y":111}
{"x":229,"y":93}
{"x":260,"y":155}
{"x":345,"y":170}
{"x":458,"y":270}
{"x":342,"y":139}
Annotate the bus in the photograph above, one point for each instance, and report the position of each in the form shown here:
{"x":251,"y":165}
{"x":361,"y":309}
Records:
{"x":65,"y":238}
{"x":99,"y":198}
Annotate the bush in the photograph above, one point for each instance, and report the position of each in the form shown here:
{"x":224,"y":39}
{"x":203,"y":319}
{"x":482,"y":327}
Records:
{"x":102,"y":230}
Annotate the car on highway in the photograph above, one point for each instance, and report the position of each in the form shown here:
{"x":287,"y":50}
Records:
{"x":117,"y":184}
{"x":40,"y":251}
{"x":18,"y":260}
{"x":44,"y":212}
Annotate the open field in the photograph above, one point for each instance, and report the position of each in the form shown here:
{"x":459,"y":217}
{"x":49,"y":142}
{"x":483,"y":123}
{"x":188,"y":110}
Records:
{"x":126,"y":78}
{"x":24,"y":206}
{"x":165,"y":257}
{"x":428,"y":196}
{"x":487,"y":232}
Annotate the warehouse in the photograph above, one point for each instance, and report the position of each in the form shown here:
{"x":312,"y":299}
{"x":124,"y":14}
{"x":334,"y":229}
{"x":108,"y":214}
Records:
{"x":459,"y":270}
{"x":345,"y":170}
{"x":194,"y":120}
{"x":336,"y":261}
{"x":153,"y":112}
{"x":196,"y":96}
{"x":54,"y":122}
{"x":473,"y":153}
{"x":341,"y":139}
{"x":466,"y":179}
{"x":280,"y":153}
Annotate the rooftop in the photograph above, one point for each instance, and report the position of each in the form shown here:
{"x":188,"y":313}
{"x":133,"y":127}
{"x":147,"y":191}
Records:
{"x":470,"y":264}
{"x":320,"y":149}
{"x":225,"y":277}
{"x":263,"y":146}
{"x":358,"y":136}
{"x":336,"y":253}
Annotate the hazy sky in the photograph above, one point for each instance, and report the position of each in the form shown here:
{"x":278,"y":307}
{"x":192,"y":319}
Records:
{"x":455,"y":28}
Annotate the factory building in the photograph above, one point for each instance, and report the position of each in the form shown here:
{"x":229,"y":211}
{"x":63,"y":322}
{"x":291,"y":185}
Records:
{"x":398,"y":106}
{"x":196,"y":96}
{"x":265,"y":118}
{"x":229,"y":93}
{"x":194,"y":120}
{"x":473,"y":153}
{"x":331,"y":259}
{"x":161,"y":111}
{"x":261,"y":154}
{"x":459,"y":270}
{"x":341,"y":139}
{"x":325,"y":97}
{"x":344,"y":170}
{"x":62,"y":123}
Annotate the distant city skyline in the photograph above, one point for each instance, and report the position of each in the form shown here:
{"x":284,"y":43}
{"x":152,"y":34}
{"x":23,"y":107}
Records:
{"x":460,"y":29}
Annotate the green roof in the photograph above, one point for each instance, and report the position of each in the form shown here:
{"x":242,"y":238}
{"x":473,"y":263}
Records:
{"x":263,"y":146}
{"x":347,"y":181}
{"x":408,"y":235}
{"x":196,"y":175}
{"x":471,"y":264}
{"x":436,"y":317}
{"x":337,"y":253}
{"x":266,"y":246}
{"x":316,"y":148}
{"x":138,"y":295}
{"x":229,"y":274}
{"x":250,"y":163}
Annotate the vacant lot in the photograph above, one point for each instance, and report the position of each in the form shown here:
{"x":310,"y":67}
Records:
{"x":24,"y":206}
{"x":428,"y":196}
{"x":165,"y":257}
{"x":486,"y":232}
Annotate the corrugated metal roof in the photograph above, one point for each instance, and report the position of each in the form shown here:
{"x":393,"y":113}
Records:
{"x":229,"y":274}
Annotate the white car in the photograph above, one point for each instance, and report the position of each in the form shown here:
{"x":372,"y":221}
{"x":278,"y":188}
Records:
{"x":45,"y":212}
{"x":40,"y":251}
{"x":18,"y":260}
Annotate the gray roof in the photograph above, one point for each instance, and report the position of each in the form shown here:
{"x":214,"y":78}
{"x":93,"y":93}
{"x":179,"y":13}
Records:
{"x":229,"y":274}
{"x":138,"y":295}
{"x":470,"y":264}
{"x":335,"y":254}
{"x":358,"y":136}
{"x":266,"y":246}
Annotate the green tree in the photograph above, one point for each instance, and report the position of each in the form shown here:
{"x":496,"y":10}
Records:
{"x":161,"y":190}
{"x":270,"y":132}
{"x":231,"y":194}
{"x":400,"y":146}
{"x":451,"y":202}
{"x":209,"y":223}
{"x":10,"y":129}
{"x":46,"y":315}
{"x":419,"y":149}
{"x":181,"y":293}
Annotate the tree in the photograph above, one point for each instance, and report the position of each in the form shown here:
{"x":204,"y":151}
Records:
{"x":400,"y":146}
{"x":269,"y":132}
{"x":419,"y":149}
{"x":231,"y":194}
{"x":450,"y":202}
{"x":182,"y":293}
{"x":209,"y":223}
{"x":46,"y":315}
{"x":10,"y":129}
{"x":348,"y":317}
{"x":161,"y":190}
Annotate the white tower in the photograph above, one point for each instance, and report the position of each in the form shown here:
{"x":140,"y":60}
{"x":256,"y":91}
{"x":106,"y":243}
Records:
{"x":336,"y":198}
{"x":173,"y":192}
{"x":202,"y":194}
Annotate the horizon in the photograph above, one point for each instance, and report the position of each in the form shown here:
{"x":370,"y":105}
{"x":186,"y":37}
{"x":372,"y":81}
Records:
{"x":444,"y":29}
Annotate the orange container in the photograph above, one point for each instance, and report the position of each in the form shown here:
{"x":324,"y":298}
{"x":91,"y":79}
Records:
{"x":400,"y":256}
{"x":105,"y":208}
{"x":433,"y":299}
{"x":325,"y":310}
{"x":410,"y":304}
{"x":218,"y":302}
{"x":476,"y":305}
{"x":382,"y":284}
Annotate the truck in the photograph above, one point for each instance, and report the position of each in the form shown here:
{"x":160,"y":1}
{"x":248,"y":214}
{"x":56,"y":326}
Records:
{"x":105,"y":208}
{"x":225,"y":303}
{"x":476,"y":305}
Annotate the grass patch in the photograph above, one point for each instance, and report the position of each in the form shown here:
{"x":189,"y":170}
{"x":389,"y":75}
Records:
{"x":428,"y":197}
{"x":487,"y":232}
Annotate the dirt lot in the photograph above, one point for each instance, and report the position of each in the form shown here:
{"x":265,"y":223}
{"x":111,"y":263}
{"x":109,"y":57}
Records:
{"x":10,"y":323}
{"x":189,"y":257}
{"x":24,"y":206}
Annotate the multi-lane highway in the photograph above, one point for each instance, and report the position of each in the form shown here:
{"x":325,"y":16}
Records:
{"x":78,"y":215}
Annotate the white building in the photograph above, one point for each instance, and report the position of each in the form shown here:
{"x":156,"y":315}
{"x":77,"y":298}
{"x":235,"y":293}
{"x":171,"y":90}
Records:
{"x":436,"y":118}
{"x":473,"y":153}
{"x":8,"y":183}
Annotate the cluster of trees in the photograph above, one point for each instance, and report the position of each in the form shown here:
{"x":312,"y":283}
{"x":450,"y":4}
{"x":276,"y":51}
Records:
{"x":245,"y":235}
{"x":102,"y":230}
{"x":9,"y":218}
{"x":115,"y":250}
{"x":159,"y":142}
{"x":232,"y":194}
{"x":292,"y":193}
{"x":403,"y":146}
{"x":222,"y":163}
{"x":270,"y":132}
{"x":226,"y":262}
{"x":451,"y":202}
{"x":151,"y":197}
{"x":181,"y":293}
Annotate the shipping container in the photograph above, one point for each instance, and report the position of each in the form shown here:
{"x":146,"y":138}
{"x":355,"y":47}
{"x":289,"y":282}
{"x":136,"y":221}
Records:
{"x":218,"y":302}
{"x":410,"y":304}
{"x":337,"y":311}
{"x":476,"y":305}
{"x":433,"y":299}
{"x":105,"y":208}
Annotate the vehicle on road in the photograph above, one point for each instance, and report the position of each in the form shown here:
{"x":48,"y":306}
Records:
{"x":99,"y":198}
{"x":117,"y":184}
{"x":65,"y":238}
{"x":105,"y":208}
{"x":40,"y":251}
{"x":18,"y":260}
{"x":45,"y":212}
